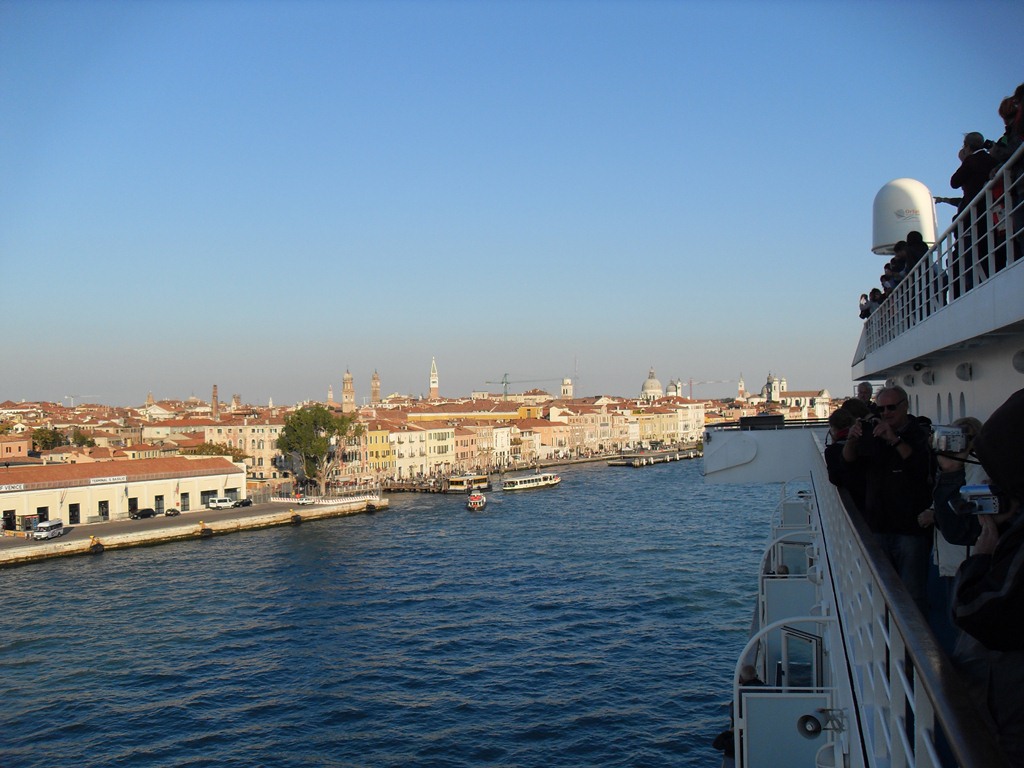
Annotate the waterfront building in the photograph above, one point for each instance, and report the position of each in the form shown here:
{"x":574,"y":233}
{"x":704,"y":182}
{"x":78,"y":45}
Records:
{"x":377,"y":451}
{"x":440,"y":448}
{"x":527,"y":442}
{"x":554,"y":437}
{"x":623,"y":425}
{"x":690,"y":417}
{"x":483,"y":431}
{"x":256,"y":438}
{"x":465,"y":450}
{"x":501,"y":436}
{"x":408,"y":450}
{"x":657,"y":425}
{"x":96,"y":492}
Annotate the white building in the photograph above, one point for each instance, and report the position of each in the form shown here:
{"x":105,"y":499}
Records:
{"x":110,"y":490}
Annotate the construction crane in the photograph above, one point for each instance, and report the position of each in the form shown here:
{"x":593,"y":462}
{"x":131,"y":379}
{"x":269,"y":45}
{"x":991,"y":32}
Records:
{"x":691,"y":382}
{"x":505,"y":381}
{"x":72,"y":398}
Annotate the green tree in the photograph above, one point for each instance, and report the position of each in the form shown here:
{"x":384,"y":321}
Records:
{"x":80,"y":438}
{"x":217,"y":449}
{"x":47,"y":438}
{"x":318,"y":437}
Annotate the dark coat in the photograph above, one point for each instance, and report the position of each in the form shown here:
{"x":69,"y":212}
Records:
{"x":972,"y":176}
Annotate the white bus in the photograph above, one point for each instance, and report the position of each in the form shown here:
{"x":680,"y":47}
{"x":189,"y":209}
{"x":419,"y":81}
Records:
{"x":48,"y":529}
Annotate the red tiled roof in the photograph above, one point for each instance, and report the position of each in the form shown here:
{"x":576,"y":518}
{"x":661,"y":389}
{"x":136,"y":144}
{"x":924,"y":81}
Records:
{"x":133,"y":470}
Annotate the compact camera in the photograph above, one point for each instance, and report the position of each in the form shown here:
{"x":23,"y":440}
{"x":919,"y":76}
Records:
{"x":978,"y":500}
{"x":948,"y":439}
{"x":868,"y":443}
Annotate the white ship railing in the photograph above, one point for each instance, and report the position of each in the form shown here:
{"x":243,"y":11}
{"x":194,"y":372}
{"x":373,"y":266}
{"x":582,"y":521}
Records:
{"x":887,"y":695}
{"x":987,"y":237}
{"x":905,"y":689}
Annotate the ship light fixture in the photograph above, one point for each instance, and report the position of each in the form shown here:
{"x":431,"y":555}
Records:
{"x":928,"y":377}
{"x":964,"y":371}
{"x":1018,"y":361}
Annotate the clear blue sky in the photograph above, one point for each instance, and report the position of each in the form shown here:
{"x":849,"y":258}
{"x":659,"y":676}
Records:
{"x":262,"y":195}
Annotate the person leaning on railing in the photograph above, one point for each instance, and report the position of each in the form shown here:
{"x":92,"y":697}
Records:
{"x":988,"y":603}
{"x":1012,"y":113}
{"x":955,"y":533}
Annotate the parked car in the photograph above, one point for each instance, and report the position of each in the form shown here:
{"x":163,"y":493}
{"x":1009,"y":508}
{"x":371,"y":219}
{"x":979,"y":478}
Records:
{"x":306,"y":500}
{"x":243,"y":503}
{"x":172,"y":512}
{"x":220,"y":503}
{"x":144,"y":512}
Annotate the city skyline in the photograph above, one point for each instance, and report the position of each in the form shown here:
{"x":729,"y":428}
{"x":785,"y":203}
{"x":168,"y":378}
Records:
{"x":267,"y":195}
{"x":494,"y":389}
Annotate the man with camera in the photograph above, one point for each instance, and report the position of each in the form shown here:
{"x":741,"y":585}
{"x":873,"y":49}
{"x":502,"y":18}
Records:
{"x":892,"y":451}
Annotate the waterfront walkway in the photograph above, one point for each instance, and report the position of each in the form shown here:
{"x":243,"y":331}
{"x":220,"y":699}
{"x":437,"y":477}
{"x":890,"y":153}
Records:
{"x":97,"y":538}
{"x":633,"y":458}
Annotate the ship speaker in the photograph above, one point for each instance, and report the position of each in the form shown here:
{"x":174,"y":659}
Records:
{"x":811,"y":726}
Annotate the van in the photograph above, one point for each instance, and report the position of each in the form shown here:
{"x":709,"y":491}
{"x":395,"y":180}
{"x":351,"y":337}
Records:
{"x":220,"y":503}
{"x":48,"y":529}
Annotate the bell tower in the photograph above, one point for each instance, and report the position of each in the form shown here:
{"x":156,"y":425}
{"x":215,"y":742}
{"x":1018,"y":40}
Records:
{"x":375,"y":388}
{"x":434,"y":385}
{"x":348,"y":394}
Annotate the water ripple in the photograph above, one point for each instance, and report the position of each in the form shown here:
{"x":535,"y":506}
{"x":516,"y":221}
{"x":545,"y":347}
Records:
{"x":594,"y":624}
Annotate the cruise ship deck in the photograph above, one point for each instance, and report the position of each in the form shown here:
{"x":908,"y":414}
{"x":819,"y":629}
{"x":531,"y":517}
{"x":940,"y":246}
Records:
{"x":854,"y":675}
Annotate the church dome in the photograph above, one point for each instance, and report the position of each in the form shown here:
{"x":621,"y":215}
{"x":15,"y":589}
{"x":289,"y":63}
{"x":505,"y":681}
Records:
{"x":652,"y":387}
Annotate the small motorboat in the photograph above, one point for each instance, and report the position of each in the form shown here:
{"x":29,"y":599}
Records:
{"x":476,"y":502}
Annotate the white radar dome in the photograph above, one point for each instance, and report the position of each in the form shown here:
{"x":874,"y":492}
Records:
{"x":902,"y":206}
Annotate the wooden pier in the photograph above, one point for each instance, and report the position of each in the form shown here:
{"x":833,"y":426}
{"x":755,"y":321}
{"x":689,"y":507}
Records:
{"x":649,"y":459}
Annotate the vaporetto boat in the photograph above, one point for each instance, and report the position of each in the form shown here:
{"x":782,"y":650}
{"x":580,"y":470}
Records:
{"x":526,"y":482}
{"x":853,"y":674}
{"x":466,"y":483}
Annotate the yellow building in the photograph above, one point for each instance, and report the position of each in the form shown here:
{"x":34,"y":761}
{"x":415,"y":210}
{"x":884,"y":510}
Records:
{"x":377,"y":454}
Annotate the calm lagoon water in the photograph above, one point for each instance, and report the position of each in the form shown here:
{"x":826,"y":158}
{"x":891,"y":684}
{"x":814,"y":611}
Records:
{"x":593,"y":624}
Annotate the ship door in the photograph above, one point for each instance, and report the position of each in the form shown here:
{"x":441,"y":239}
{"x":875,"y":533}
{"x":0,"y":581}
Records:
{"x":801,"y":659}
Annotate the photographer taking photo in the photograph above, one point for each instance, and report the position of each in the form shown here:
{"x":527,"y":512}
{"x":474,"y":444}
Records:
{"x":892,"y":451}
{"x":988,"y":603}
